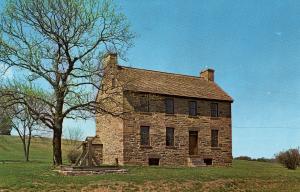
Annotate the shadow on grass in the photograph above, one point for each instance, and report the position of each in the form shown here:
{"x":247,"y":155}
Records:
{"x":7,"y":161}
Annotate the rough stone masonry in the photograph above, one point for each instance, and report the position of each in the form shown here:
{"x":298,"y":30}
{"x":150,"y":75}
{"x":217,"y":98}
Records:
{"x":165,"y":119}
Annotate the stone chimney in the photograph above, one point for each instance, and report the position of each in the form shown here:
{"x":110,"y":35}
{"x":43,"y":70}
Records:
{"x":110,"y":60}
{"x":207,"y":74}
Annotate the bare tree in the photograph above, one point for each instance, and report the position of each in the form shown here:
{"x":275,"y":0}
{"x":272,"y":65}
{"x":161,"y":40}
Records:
{"x":56,"y":46}
{"x":24,"y":124}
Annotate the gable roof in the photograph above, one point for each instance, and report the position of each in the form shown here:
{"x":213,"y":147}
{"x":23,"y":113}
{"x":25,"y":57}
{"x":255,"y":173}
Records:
{"x":141,"y":80}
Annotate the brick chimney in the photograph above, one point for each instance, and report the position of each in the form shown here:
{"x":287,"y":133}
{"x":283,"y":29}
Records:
{"x":110,"y":60}
{"x":207,"y":74}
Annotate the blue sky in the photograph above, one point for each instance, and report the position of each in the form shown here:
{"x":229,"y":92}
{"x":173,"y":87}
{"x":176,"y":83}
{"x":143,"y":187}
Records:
{"x":254,"y":47}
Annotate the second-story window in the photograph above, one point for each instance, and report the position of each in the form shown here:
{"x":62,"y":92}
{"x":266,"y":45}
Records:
{"x":145,"y":136}
{"x":144,"y":103}
{"x":169,"y":102}
{"x":193,"y":108}
{"x":214,"y":112}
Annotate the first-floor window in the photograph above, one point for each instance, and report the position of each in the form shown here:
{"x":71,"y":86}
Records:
{"x":145,"y":139}
{"x":169,"y":136}
{"x":214,"y":138}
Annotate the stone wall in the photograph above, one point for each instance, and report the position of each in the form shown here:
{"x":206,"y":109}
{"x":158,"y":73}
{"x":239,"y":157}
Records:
{"x":109,"y":124}
{"x":158,"y":121}
{"x":110,"y":131}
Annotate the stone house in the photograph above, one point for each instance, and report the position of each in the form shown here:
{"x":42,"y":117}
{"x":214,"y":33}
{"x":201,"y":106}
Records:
{"x":167,"y":119}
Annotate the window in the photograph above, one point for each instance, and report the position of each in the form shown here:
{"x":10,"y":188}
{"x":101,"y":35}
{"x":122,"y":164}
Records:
{"x":214,"y":138}
{"x":144,"y":103}
{"x":169,"y":105}
{"x":169,"y":136}
{"x":208,"y":161}
{"x":214,"y":110}
{"x":145,"y":140}
{"x":113,"y":82}
{"x":153,"y":161}
{"x":193,"y":108}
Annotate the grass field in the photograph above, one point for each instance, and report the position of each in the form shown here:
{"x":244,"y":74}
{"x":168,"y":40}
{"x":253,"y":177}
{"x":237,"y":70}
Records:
{"x":39,"y":176}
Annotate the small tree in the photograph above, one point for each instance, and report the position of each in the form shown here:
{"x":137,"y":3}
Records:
{"x":74,"y":135}
{"x":24,"y":124}
{"x":290,"y":158}
{"x":73,"y":154}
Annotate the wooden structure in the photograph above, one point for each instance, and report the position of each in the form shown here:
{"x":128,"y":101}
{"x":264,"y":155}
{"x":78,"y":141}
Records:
{"x":91,"y":155}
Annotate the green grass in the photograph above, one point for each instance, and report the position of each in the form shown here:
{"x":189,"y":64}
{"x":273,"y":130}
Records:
{"x":11,"y":149}
{"x":39,"y":176}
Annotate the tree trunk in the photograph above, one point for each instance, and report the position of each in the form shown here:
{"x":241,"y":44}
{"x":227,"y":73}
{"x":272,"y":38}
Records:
{"x":24,"y":147}
{"x":28,"y":146}
{"x":57,"y":157}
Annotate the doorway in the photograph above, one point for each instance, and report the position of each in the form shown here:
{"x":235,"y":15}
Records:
{"x":193,"y":142}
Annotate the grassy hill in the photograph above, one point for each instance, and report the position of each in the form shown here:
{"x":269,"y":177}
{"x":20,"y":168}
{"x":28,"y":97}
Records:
{"x":11,"y":149}
{"x":39,"y":176}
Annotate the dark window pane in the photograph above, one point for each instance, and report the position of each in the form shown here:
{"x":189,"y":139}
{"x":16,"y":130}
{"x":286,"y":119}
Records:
{"x":208,"y":161}
{"x":153,"y":161}
{"x":144,"y":103}
{"x":169,"y":105}
{"x":169,"y":136}
{"x":214,"y":109}
{"x":214,"y":138}
{"x":193,"y":108}
{"x":145,"y":140}
{"x":113,"y":82}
